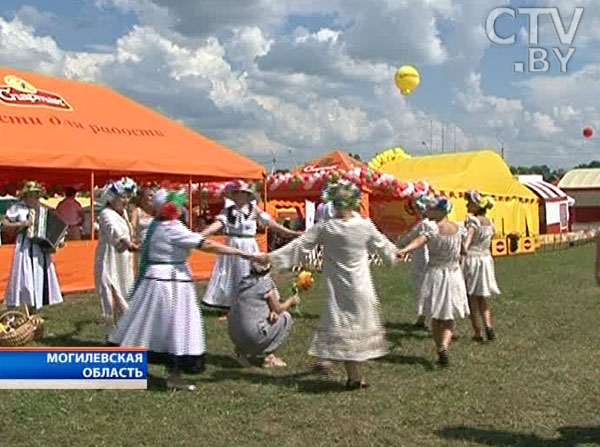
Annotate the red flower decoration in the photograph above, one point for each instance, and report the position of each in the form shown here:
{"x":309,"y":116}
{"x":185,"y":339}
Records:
{"x":170,"y":211}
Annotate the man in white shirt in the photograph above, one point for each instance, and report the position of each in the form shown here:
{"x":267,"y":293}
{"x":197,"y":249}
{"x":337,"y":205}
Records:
{"x":72,"y":213}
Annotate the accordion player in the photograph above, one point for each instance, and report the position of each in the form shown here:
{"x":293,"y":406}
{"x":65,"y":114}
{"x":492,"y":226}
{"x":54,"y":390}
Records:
{"x":49,"y":230}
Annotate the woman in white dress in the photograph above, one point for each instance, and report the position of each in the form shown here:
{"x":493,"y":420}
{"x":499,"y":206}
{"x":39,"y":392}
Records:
{"x":349,"y":329}
{"x":239,"y":222}
{"x":478,"y":265}
{"x":164,"y":316}
{"x":443,"y":291}
{"x":419,"y":257}
{"x":113,"y":267}
{"x":141,"y":217}
{"x":32,"y":281}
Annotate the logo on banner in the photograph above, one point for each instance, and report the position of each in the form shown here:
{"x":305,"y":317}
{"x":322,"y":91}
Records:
{"x":312,"y":169}
{"x":18,"y":92}
{"x":527,"y":244}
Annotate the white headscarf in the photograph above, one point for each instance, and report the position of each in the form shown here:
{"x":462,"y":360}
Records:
{"x":120,"y":188}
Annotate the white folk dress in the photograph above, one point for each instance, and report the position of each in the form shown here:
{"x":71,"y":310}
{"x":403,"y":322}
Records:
{"x":478,"y":265}
{"x":443,"y":292}
{"x":350,"y":328}
{"x":32,"y":279}
{"x":113,"y":270}
{"x":163,"y":314}
{"x":240,"y":227}
{"x":419,"y":260}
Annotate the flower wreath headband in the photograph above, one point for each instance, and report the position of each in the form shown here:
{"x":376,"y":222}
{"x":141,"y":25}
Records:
{"x":170,"y":203}
{"x":343,"y":194}
{"x":483,"y":202}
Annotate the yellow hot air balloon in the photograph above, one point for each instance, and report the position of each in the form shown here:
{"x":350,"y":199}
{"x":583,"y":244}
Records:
{"x":407,"y":79}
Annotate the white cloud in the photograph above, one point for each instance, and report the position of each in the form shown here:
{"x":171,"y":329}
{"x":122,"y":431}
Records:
{"x":234,"y":75}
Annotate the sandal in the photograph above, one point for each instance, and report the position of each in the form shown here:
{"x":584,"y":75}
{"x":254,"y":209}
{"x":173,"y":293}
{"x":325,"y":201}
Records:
{"x":478,"y":338}
{"x":274,"y":362}
{"x":443,"y":359}
{"x":357,"y":384}
{"x":489,"y":332}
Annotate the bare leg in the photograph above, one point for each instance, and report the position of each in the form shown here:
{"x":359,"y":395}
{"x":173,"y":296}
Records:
{"x":352,"y":370}
{"x":486,"y":316}
{"x":474,"y":315}
{"x":447,"y":331}
{"x":437,"y":334}
{"x":354,"y":380}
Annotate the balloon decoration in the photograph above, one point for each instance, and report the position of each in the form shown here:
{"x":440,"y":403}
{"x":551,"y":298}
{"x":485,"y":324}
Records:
{"x":379,"y":183}
{"x":387,"y":156}
{"x":407,"y":79}
{"x":588,"y":132}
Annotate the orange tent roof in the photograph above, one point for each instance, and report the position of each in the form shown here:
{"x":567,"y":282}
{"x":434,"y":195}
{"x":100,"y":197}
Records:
{"x":61,"y":130}
{"x":334,"y":159}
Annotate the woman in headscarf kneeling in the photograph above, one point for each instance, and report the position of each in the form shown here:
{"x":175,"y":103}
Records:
{"x":163,"y":315}
{"x":258,"y":322}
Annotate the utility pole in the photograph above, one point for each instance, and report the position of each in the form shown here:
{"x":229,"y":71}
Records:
{"x":455,"y":138}
{"x":443,"y":129}
{"x":430,"y":135}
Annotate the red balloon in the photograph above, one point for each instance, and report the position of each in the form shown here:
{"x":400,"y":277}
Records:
{"x":588,"y":132}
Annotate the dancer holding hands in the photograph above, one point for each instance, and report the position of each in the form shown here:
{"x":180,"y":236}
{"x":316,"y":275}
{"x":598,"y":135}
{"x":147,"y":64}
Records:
{"x":443,"y":292}
{"x":478,"y":265}
{"x":349,"y":329}
{"x":164,"y":316}
{"x":239,"y":222}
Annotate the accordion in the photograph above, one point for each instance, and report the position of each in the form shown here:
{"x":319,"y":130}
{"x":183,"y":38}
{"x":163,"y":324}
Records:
{"x":48,"y":229}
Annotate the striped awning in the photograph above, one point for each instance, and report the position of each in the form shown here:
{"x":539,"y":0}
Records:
{"x":547,"y":191}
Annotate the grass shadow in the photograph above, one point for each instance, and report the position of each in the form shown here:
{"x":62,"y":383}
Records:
{"x":570,"y":436}
{"x":70,"y":338}
{"x":300,"y":381}
{"x":408,"y":360}
{"x":157,"y":384}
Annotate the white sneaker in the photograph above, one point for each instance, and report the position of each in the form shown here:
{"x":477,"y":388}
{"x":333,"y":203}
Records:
{"x":179,"y":384}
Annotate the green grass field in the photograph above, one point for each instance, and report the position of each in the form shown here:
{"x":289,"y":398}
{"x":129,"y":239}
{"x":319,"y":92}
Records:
{"x":536,"y":386}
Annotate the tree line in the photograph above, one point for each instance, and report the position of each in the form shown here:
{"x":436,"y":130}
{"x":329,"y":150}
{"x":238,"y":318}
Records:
{"x":550,"y":175}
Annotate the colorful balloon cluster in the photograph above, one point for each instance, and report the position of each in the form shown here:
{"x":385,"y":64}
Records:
{"x":380,"y":184}
{"x":387,"y":156}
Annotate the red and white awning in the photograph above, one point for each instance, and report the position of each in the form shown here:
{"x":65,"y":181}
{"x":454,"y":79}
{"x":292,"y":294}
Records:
{"x":547,"y":191}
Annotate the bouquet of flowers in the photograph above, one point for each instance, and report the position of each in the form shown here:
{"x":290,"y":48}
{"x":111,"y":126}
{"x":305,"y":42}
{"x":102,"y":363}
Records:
{"x":304,"y":281}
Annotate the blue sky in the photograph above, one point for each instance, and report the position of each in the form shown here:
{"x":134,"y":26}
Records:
{"x":298,"y":78}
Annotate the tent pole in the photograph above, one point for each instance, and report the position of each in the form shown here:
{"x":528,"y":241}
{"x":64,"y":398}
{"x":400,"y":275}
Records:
{"x":265,"y":206}
{"x":190,"y":218}
{"x":92,"y":205}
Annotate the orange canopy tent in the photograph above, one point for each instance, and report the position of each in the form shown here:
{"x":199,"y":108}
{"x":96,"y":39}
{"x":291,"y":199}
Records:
{"x":51,"y":127}
{"x":67,"y":132}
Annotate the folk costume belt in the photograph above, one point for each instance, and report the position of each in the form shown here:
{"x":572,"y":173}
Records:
{"x":246,"y":236}
{"x":165,"y":262}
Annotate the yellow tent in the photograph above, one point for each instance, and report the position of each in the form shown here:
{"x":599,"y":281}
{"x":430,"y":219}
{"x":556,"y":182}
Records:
{"x":516,"y":207}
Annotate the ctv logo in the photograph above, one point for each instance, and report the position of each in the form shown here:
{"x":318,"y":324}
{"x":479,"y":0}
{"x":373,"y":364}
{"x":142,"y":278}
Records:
{"x":537,"y":56}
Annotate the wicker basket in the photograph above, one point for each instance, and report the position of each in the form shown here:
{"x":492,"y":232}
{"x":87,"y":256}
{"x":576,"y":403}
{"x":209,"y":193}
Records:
{"x":25,"y":328}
